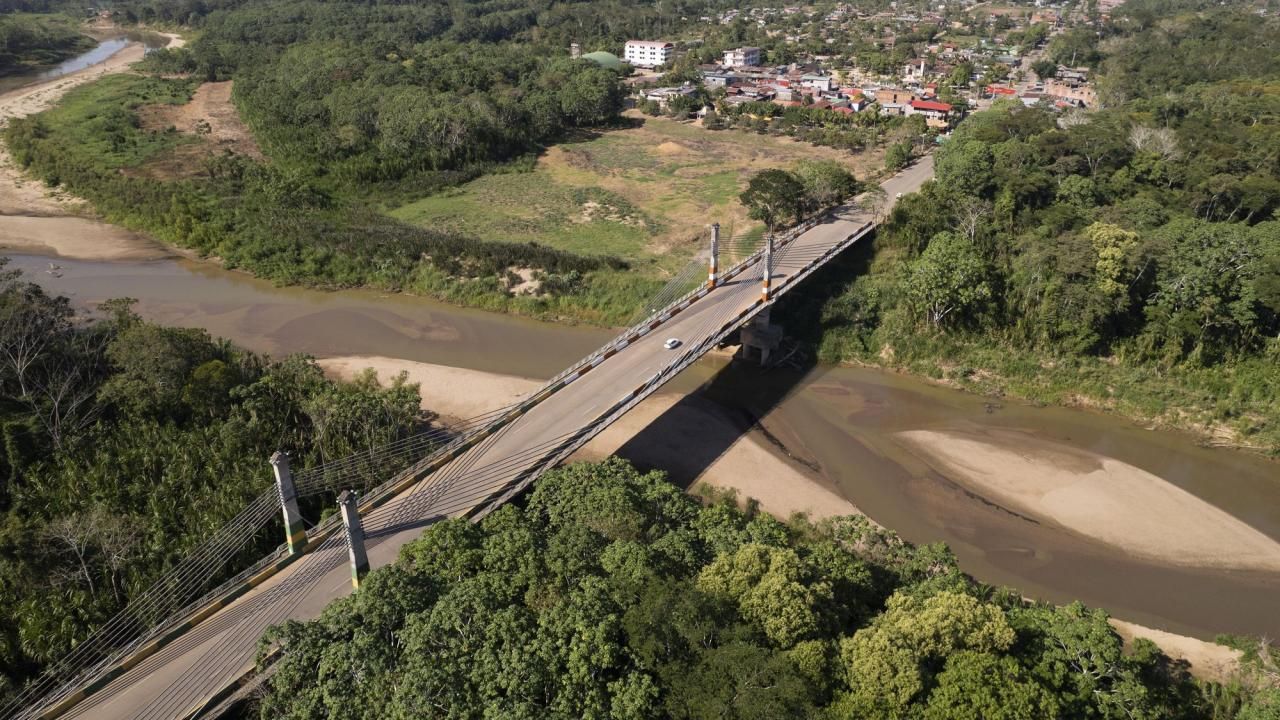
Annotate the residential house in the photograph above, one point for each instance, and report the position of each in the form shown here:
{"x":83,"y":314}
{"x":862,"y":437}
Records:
{"x":1077,"y":94}
{"x":893,"y":96}
{"x":821,"y":83}
{"x":936,"y":114}
{"x":719,"y":78}
{"x":647,"y":53}
{"x":664,"y":95}
{"x":742,"y":57}
{"x":914,"y":71}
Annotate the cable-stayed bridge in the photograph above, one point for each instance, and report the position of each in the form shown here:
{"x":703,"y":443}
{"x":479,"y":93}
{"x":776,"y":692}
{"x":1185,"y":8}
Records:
{"x":179,"y":652}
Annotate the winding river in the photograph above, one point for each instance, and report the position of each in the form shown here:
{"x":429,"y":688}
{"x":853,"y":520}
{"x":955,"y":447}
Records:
{"x":843,"y":424}
{"x":847,"y":427}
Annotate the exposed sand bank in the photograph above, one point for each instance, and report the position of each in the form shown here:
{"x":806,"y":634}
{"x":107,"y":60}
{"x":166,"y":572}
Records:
{"x":36,"y":219}
{"x":695,"y":442}
{"x":1097,"y":497}
{"x":75,"y":237}
{"x":1208,"y":661}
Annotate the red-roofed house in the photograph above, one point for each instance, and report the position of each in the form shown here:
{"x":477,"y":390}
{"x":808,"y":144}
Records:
{"x":936,"y":114}
{"x":1000,"y":90}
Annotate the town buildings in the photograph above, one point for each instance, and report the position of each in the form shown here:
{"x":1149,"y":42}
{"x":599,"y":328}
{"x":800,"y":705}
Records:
{"x":742,"y":57}
{"x":647,"y":53}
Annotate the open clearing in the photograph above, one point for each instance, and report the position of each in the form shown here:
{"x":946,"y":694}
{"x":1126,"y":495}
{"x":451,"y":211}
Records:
{"x":210,"y":117}
{"x":645,"y":192}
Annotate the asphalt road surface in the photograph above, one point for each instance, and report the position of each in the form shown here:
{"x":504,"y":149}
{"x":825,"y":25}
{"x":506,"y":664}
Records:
{"x":192,"y":669}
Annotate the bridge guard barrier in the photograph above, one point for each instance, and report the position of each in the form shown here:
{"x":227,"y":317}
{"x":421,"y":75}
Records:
{"x":418,"y":473}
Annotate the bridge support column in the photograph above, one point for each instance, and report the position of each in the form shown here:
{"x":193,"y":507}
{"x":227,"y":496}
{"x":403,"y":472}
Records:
{"x":767,"y":269}
{"x":347,"y":503}
{"x":715,"y":256}
{"x":760,"y":337}
{"x":295,"y":532}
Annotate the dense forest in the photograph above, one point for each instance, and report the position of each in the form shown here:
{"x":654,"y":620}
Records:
{"x":1127,"y":258}
{"x":28,"y":42}
{"x":123,"y":444}
{"x":611,"y":594}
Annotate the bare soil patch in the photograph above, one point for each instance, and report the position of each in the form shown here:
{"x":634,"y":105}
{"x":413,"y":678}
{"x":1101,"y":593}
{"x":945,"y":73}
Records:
{"x":212,"y":118}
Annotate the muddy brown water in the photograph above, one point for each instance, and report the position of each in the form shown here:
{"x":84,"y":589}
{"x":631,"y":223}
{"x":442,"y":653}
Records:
{"x":844,"y":421}
{"x":282,"y":320}
{"x":841,"y":421}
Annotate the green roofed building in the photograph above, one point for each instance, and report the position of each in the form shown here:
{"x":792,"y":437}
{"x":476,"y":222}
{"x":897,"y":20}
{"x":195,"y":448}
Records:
{"x":604,"y":59}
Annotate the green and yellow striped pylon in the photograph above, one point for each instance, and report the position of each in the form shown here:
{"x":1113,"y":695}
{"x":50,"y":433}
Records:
{"x":295,"y":532}
{"x":347,"y":503}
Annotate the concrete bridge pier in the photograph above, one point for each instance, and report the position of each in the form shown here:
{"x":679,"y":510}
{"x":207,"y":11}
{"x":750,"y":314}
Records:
{"x":295,"y":531}
{"x":760,"y":338}
{"x":347,"y":503}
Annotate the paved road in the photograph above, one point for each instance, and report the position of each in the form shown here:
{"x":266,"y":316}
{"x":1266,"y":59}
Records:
{"x":187,"y":672}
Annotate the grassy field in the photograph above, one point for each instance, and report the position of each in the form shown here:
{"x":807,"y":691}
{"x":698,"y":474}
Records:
{"x":644,"y":192}
{"x":99,"y":119}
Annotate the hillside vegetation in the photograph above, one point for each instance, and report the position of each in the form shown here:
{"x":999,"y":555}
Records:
{"x":611,"y":594}
{"x":1127,"y":258}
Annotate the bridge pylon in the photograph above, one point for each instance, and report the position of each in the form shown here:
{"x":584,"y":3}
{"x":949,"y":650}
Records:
{"x":713,"y":271}
{"x":348,"y":504}
{"x":766,"y":287}
{"x":294,"y":529}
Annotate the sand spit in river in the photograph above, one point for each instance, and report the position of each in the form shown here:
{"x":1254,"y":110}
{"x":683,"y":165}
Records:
{"x":1098,"y":497}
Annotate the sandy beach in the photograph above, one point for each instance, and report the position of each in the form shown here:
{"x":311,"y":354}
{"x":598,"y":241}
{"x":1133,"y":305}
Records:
{"x":1098,"y":497}
{"x":37,"y":219}
{"x":1208,"y":661}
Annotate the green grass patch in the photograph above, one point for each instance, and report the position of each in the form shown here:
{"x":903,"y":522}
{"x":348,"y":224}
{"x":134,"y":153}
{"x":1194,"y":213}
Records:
{"x":529,"y":207}
{"x":100,"y":119}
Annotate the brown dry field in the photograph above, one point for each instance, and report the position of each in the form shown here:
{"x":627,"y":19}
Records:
{"x":663,"y":182}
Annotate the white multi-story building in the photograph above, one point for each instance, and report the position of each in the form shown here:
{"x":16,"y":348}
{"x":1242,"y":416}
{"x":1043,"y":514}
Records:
{"x":742,"y":57}
{"x":647,"y":53}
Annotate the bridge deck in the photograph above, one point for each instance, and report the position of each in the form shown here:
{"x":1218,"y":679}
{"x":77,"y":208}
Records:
{"x":208,"y":658}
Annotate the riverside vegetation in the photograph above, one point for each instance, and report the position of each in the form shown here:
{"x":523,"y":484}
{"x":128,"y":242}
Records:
{"x":123,"y":444}
{"x":611,"y":594}
{"x":1127,"y":258}
{"x":360,"y":107}
{"x":30,"y":42}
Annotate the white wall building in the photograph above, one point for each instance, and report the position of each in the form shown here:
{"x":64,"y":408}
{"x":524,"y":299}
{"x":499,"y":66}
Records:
{"x":742,"y":57}
{"x":647,"y":53}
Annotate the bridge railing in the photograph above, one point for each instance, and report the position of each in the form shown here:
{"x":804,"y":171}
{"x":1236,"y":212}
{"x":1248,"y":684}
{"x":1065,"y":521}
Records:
{"x":111,"y":661}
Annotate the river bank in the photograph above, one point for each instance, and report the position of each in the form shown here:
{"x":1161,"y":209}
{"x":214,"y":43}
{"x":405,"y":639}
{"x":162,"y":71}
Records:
{"x":753,"y":464}
{"x":839,"y":427}
{"x":842,"y":424}
{"x":37,"y":219}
